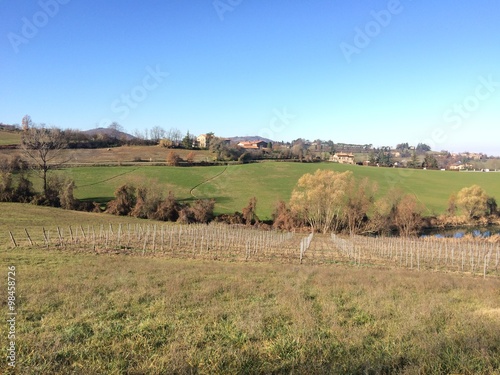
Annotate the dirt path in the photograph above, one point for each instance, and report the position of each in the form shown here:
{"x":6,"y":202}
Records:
{"x":111,"y":178}
{"x":205,"y":181}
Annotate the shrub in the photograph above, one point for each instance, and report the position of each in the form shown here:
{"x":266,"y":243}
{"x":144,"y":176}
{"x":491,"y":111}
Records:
{"x":492,"y":205}
{"x":58,"y":193}
{"x":236,"y":218}
{"x":54,"y":187}
{"x":167,"y":143}
{"x":90,"y":207}
{"x":245,"y":158}
{"x":284,"y":218}
{"x":147,"y":203}
{"x":66,"y":198}
{"x":6,"y":188}
{"x":249,"y":212}
{"x":190,"y":157}
{"x":186,"y":215}
{"x":124,"y":201}
{"x":203,"y":210}
{"x":24,"y":192}
{"x":173,"y":159}
{"x":168,"y":209}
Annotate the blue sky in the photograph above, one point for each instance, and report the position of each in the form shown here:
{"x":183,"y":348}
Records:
{"x":369,"y":72}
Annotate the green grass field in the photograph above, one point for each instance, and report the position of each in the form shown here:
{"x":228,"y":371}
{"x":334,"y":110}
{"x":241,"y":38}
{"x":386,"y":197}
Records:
{"x":271,"y":181}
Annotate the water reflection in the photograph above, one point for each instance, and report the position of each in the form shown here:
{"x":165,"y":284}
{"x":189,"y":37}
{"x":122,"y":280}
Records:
{"x":460,"y":232}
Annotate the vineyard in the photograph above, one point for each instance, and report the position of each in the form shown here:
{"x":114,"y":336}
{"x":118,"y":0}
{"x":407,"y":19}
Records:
{"x":440,"y":254}
{"x":240,"y":243}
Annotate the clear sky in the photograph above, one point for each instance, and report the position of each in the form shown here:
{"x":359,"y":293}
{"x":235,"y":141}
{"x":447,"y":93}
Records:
{"x":356,"y":71}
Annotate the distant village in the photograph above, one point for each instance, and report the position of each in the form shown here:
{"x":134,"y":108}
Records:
{"x":403,"y":155}
{"x":249,"y":148}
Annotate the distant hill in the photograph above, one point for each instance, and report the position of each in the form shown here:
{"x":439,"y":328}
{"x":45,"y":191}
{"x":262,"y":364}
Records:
{"x":251,"y":138}
{"x":109,"y":132}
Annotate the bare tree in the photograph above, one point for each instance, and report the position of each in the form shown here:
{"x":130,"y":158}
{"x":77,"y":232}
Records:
{"x":157,"y":133}
{"x":43,"y":148}
{"x":408,"y":215}
{"x":359,"y":201}
{"x":27,"y":123}
{"x":174,"y":135}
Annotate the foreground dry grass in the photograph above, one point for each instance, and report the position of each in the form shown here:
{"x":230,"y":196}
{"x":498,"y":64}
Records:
{"x":89,"y":314}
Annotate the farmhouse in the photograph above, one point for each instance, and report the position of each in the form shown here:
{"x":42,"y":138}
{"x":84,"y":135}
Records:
{"x":342,"y":158}
{"x":459,"y":166}
{"x":202,"y":140}
{"x":253,"y":145}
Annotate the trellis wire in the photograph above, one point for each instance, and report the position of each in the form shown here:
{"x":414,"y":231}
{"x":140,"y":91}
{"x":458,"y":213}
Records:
{"x":221,"y":241}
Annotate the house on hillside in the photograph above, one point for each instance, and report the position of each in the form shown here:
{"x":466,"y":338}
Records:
{"x":342,"y":158}
{"x":253,"y":145}
{"x":460,"y":166}
{"x":203,"y":140}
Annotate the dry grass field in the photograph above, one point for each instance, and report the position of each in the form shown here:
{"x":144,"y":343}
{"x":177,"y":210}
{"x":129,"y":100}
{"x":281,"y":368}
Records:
{"x":115,"y":314}
{"x":123,"y":155}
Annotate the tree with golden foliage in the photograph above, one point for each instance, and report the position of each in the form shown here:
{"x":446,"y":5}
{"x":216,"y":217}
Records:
{"x":473,"y":200}
{"x":319,"y":199}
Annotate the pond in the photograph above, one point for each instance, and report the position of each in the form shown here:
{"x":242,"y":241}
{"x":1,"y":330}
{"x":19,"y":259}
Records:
{"x":459,"y":232}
